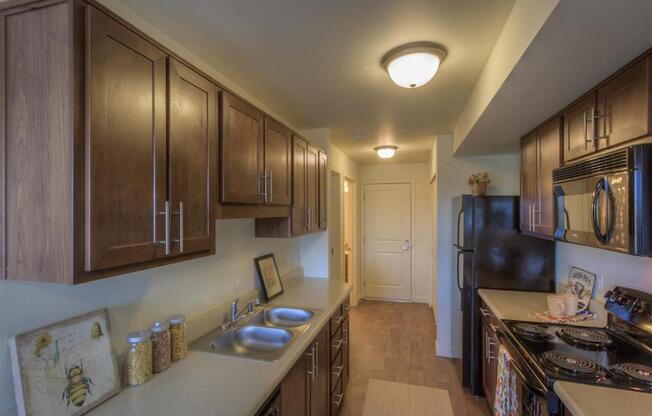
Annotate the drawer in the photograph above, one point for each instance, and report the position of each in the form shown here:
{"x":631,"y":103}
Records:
{"x":337,"y":370}
{"x":337,"y":341}
{"x":346,"y":306}
{"x":337,"y":397}
{"x":336,"y":320}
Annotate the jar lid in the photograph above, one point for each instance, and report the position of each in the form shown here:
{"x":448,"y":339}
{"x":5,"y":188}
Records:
{"x":160,"y":326}
{"x":138,"y":336}
{"x":177,"y":319}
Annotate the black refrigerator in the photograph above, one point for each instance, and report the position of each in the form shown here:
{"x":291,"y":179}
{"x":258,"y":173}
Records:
{"x":490,"y":252}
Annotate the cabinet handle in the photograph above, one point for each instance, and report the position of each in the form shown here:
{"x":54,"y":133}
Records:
{"x":339,"y":397}
{"x":529,"y":217}
{"x":271,"y":184}
{"x":181,"y":237}
{"x":338,"y":371}
{"x":316,"y":359}
{"x":307,"y":218}
{"x":346,"y":335}
{"x":312,"y":363}
{"x":166,"y":215}
{"x":264,"y":180}
{"x":338,"y":344}
{"x":586,"y":126}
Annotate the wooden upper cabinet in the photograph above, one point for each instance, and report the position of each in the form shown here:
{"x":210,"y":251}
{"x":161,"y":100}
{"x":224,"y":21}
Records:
{"x":241,"y":151}
{"x":625,"y":106}
{"x":192,"y":158}
{"x":540,"y":154}
{"x":125,"y":145}
{"x":323,"y":175}
{"x":278,"y":166}
{"x":312,"y":187}
{"x":548,"y":158}
{"x":299,"y":215}
{"x":579,"y":128}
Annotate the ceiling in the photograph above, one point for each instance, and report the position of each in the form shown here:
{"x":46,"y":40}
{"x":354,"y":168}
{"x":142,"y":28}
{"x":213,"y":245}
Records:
{"x":317,"y":63}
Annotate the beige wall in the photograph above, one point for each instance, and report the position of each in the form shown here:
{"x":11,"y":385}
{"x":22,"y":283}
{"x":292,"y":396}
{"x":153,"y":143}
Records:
{"x":422,"y":239}
{"x":451,"y":180}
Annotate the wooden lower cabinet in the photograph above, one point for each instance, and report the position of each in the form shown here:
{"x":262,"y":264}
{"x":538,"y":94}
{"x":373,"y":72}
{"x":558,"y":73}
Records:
{"x":315,"y":385}
{"x":489,"y":358}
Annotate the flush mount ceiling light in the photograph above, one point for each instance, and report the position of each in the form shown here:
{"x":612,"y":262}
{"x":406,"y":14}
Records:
{"x":414,"y":64}
{"x":385,"y":152}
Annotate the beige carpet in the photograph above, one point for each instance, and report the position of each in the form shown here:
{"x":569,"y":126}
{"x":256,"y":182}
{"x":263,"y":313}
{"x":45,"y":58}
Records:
{"x":386,"y":398}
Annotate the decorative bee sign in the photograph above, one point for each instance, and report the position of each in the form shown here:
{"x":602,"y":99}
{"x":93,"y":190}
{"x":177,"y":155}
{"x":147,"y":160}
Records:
{"x":65,"y":369}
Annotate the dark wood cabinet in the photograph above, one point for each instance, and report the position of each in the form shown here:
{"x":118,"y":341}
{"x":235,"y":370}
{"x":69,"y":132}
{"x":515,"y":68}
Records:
{"x":319,"y":388}
{"x":278,"y":163}
{"x":579,"y":128}
{"x":312,"y":187}
{"x":105,"y":134}
{"x":489,"y":357}
{"x":323,"y":175}
{"x":540,"y":154}
{"x":242,"y":161}
{"x":192,"y":158}
{"x":295,"y":387}
{"x":299,"y":200}
{"x":625,"y":106}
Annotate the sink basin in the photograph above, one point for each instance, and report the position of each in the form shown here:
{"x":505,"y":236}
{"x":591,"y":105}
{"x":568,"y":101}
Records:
{"x":260,"y":342}
{"x":282,"y":317}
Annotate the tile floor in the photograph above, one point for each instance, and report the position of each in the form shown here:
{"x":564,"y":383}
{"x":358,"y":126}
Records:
{"x":396,"y":342}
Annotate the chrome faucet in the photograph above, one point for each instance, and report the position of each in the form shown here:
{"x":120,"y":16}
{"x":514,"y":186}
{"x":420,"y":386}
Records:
{"x":237,"y":315}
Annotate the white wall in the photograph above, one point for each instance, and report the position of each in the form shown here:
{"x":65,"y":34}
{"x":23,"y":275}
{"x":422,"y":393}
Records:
{"x":422,"y":239}
{"x":611,"y":269}
{"x":451,"y":180}
{"x":137,"y":299}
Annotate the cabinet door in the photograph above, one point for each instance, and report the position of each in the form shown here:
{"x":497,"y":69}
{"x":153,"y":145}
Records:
{"x":624,"y":107}
{"x":125,"y":145}
{"x":192,"y":158}
{"x":241,"y":151}
{"x":312,"y":187}
{"x":528,"y":181}
{"x":319,"y":389}
{"x":346,"y":353}
{"x":299,"y":207}
{"x":548,"y":155}
{"x":579,"y":128}
{"x":278,"y":167}
{"x":295,"y":388}
{"x":322,"y":194}
{"x":489,"y":365}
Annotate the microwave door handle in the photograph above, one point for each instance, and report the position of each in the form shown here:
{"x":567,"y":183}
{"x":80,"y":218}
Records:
{"x":599,"y":187}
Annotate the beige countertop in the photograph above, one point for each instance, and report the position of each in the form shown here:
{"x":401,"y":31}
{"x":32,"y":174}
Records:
{"x":523,"y":306}
{"x":586,"y":400}
{"x":211,"y":384}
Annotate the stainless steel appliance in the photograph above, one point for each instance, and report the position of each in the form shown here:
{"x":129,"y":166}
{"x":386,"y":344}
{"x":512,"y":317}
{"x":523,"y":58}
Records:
{"x":490,"y":252}
{"x":606,"y":201}
{"x":619,"y":356}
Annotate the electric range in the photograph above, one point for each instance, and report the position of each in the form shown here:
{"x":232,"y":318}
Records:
{"x":618,"y":356}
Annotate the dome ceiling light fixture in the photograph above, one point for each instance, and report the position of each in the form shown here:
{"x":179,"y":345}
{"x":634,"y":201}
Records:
{"x":386,"y":152}
{"x":414,"y":64}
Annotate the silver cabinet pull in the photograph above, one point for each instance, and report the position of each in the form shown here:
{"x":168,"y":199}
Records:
{"x":338,"y":401}
{"x":586,"y":126}
{"x":338,"y":371}
{"x":307,"y":218}
{"x":316,"y":358}
{"x":181,"y":236}
{"x":338,"y":344}
{"x":263,"y":177}
{"x":312,"y":363}
{"x":271,"y":186}
{"x":346,"y":335}
{"x":166,"y":215}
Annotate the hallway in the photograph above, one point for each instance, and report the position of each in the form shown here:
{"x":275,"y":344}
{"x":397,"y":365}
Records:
{"x":396,"y":342}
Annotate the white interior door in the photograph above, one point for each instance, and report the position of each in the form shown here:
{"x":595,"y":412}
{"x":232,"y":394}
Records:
{"x":388,"y":241}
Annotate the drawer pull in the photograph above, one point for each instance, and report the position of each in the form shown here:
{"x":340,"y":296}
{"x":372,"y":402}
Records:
{"x":338,"y":401}
{"x":338,"y":320}
{"x":338,"y":344}
{"x":338,"y":373}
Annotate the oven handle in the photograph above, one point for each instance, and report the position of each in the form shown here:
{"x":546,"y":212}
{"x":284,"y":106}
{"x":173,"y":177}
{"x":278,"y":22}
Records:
{"x":530,"y":386}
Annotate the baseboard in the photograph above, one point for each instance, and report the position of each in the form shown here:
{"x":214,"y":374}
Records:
{"x":421,"y":299}
{"x":448,"y":352}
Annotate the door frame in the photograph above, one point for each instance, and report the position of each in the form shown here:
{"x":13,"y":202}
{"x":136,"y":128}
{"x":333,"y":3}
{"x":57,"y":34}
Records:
{"x":380,"y":181}
{"x":335,"y":229}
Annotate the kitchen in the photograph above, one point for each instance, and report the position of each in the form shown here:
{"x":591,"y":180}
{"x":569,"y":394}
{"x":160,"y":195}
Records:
{"x":172,"y":207}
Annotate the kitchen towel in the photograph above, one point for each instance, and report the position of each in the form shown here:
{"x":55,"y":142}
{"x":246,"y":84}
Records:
{"x":506,"y":401}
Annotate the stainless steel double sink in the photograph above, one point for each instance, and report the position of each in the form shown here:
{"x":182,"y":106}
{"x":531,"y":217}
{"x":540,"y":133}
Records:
{"x":263,"y":335}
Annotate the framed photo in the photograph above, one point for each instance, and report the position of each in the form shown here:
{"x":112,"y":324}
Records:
{"x":580,"y":284}
{"x":269,"y":277}
{"x":65,"y":369}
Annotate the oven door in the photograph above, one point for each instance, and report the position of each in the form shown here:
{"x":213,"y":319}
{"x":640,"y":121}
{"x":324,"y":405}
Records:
{"x":594,"y":211}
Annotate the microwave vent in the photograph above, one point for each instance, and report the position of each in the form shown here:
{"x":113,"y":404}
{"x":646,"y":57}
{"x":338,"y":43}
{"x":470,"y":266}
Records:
{"x":603,"y":164}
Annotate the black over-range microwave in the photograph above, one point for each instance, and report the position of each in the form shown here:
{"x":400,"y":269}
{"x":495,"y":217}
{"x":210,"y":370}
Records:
{"x":606,"y":201}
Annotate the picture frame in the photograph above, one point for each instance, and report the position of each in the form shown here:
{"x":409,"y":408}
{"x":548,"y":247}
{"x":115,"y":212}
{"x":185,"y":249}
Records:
{"x":66,"y":368}
{"x":270,"y":279}
{"x":580,"y":284}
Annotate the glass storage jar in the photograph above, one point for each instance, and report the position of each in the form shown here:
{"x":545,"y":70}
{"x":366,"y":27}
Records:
{"x":178,"y":332}
{"x":161,"y":348}
{"x":138,"y":366}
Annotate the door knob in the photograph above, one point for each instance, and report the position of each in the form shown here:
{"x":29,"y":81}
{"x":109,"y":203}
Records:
{"x":406,"y":245}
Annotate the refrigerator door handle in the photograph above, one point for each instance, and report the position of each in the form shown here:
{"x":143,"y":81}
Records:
{"x":459,"y":219}
{"x":459,"y":285}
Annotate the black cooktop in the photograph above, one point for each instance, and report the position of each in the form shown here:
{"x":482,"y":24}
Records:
{"x":583,"y":355}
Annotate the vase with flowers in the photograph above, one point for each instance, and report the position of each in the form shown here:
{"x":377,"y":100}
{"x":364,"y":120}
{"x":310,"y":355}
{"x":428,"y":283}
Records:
{"x":479,"y":182}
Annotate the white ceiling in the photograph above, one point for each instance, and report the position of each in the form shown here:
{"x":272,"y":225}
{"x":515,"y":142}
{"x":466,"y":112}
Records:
{"x":317,"y":63}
